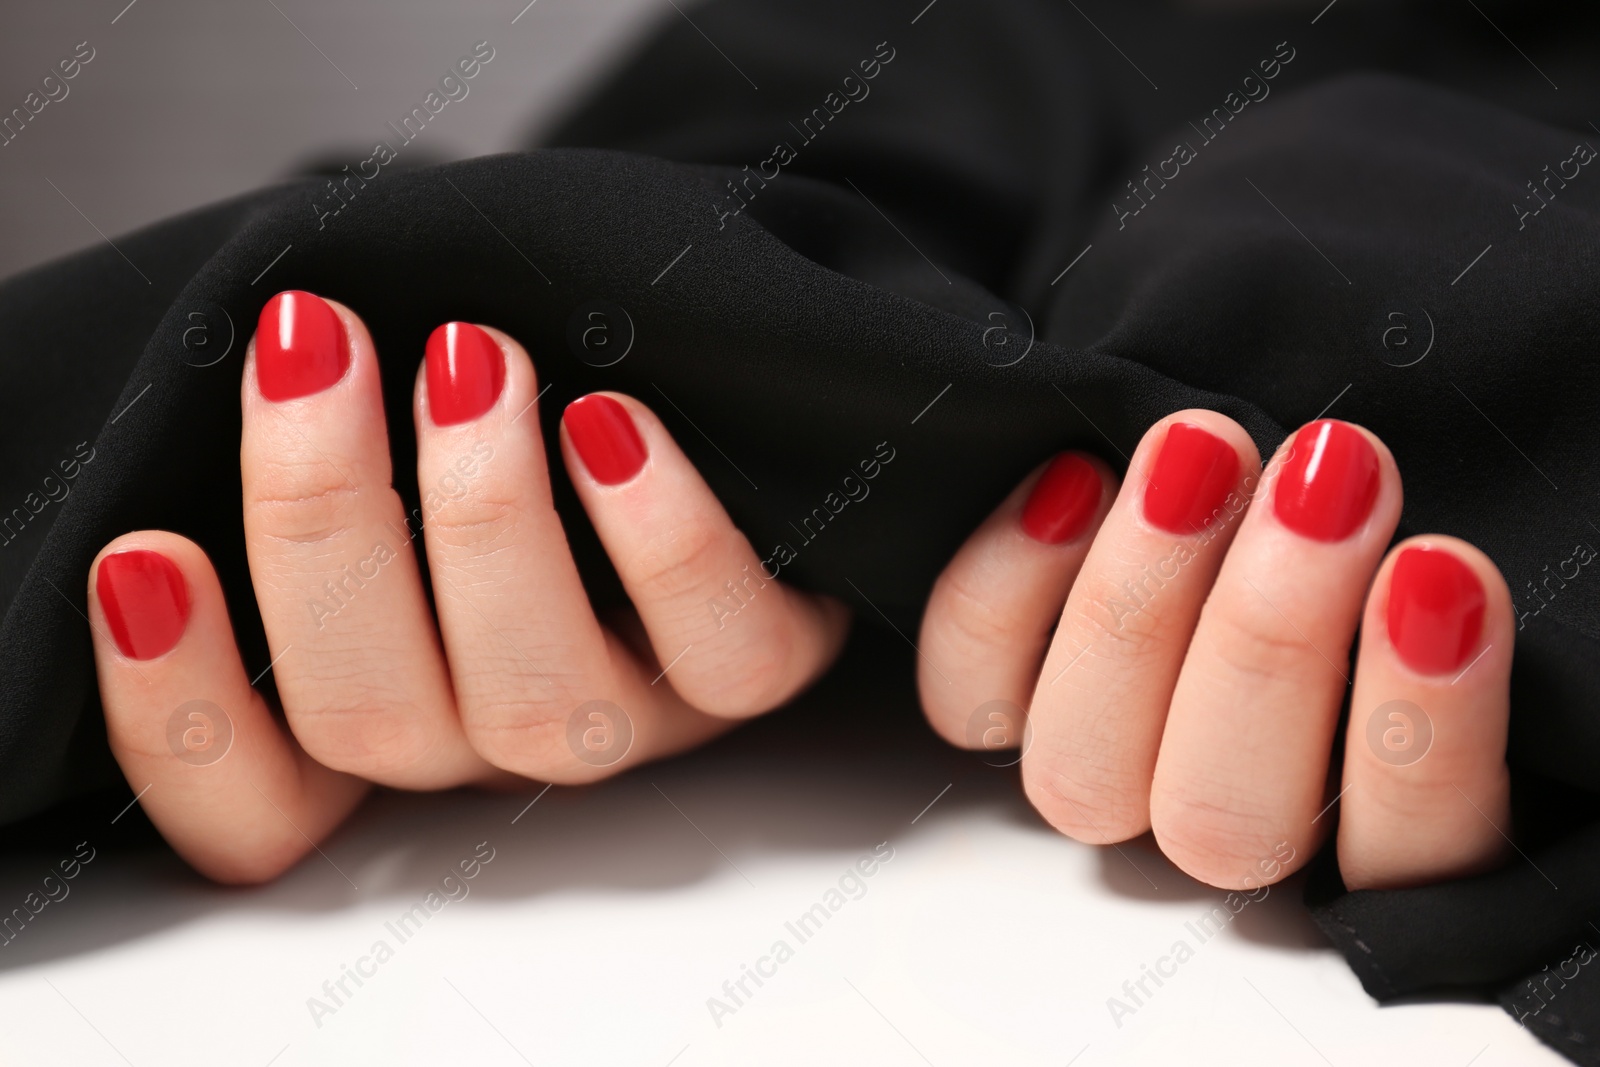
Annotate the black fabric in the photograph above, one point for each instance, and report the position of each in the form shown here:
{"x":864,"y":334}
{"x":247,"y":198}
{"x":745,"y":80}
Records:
{"x":904,"y":282}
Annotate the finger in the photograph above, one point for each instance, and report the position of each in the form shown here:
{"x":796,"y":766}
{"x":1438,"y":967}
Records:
{"x":1101,"y":700}
{"x":223,"y":782}
{"x":357,"y":657}
{"x":1426,"y":789}
{"x":989,"y":618}
{"x":1242,"y":776}
{"x":543,"y":689}
{"x":738,"y":641}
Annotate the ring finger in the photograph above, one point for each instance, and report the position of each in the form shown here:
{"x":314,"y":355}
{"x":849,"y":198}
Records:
{"x":1101,"y":700}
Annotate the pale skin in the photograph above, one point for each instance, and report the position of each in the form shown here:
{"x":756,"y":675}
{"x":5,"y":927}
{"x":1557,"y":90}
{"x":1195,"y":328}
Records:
{"x":1206,"y":715}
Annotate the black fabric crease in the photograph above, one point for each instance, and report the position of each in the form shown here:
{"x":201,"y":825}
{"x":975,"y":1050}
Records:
{"x":875,"y":292}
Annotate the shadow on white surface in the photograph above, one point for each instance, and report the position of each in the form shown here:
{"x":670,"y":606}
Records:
{"x":615,"y":922}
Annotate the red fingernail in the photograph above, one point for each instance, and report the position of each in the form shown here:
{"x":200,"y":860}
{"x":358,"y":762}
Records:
{"x":466,"y":371}
{"x":606,"y":439}
{"x":1192,"y":475}
{"x":1327,"y":488}
{"x":1063,"y":501}
{"x":1436,"y":606}
{"x":300,"y":346}
{"x":145,"y":600}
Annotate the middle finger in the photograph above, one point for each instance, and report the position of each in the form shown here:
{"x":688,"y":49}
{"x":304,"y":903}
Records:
{"x":357,"y":657}
{"x":1244,"y":761}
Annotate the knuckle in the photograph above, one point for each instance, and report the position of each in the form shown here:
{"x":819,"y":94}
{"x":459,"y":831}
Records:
{"x":477,"y":522}
{"x":301,"y":503}
{"x":1428,"y":793}
{"x":677,"y":563}
{"x":525,"y":718}
{"x":1130,"y":628}
{"x":967,"y":609}
{"x":528,"y":736}
{"x":377,"y":740}
{"x":1254,"y":640}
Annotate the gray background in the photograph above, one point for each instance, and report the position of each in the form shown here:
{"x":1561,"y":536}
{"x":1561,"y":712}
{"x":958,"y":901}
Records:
{"x":190,"y":101}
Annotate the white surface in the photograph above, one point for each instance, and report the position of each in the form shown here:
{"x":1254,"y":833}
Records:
{"x":607,"y":919}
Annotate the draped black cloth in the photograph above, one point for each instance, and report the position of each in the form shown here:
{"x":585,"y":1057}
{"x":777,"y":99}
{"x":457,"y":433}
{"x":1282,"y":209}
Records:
{"x":977,"y":233}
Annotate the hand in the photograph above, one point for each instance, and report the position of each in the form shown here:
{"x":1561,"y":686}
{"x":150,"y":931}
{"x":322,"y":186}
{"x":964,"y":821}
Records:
{"x":1203,"y":616}
{"x":497,"y":690}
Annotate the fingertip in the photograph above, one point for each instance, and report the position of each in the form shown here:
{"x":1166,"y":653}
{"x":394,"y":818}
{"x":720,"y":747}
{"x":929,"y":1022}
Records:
{"x":354,"y":327}
{"x":1189,"y":468}
{"x":465,"y":373}
{"x":1332,"y":481}
{"x":606,"y":433}
{"x":303,"y":344}
{"x":476,"y":378}
{"x":1065,"y":498}
{"x":142,"y":589}
{"x":1214,"y":423}
{"x":510,"y":346}
{"x":1441,"y":603}
{"x":163,"y":541}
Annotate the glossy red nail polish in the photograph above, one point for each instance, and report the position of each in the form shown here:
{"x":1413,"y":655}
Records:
{"x":145,"y":599}
{"x":1326,"y":489}
{"x":605,"y":438}
{"x":1436,"y":606}
{"x":300,"y":346}
{"x":1191,"y":477}
{"x":1063,"y":500}
{"x":466,"y":371}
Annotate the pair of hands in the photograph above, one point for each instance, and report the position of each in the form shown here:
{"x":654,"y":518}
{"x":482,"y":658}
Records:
{"x":1180,"y":641}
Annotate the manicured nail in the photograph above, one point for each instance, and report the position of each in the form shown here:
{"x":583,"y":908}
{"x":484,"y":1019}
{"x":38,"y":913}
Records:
{"x":1326,"y":490}
{"x":1063,"y":500}
{"x":1436,"y":606}
{"x":605,"y":438}
{"x":466,"y":371}
{"x":145,"y":599}
{"x":300,"y":346}
{"x":1191,"y":477}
